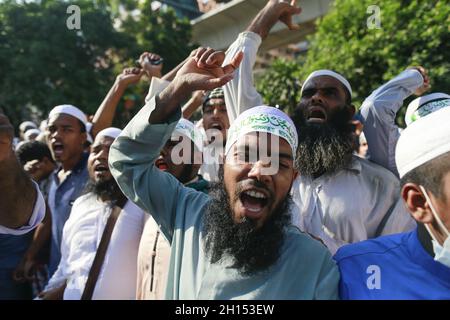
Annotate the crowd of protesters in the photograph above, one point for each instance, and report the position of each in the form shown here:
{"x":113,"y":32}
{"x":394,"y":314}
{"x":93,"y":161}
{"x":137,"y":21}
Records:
{"x":247,"y":203}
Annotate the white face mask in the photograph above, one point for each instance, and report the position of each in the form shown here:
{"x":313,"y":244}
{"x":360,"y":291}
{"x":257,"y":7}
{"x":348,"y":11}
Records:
{"x":441,"y":253}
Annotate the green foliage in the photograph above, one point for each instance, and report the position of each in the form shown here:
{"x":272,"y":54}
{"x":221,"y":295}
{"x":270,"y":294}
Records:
{"x":279,"y":85}
{"x":160,"y":32}
{"x":413,"y":32}
{"x":43,"y":63}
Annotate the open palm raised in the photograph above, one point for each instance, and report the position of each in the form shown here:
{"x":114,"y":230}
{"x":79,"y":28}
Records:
{"x":204,"y":71}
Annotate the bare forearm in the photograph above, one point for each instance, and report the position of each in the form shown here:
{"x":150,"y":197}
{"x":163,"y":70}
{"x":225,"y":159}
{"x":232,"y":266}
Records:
{"x":168,"y":102}
{"x":189,"y":108}
{"x":169,"y":76}
{"x":104,"y":116}
{"x":263,"y":22}
{"x":18,"y":194}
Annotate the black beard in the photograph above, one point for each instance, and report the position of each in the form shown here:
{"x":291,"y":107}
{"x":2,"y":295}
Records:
{"x":187,"y":174}
{"x":105,"y":189}
{"x":254,"y":250}
{"x":323,"y":148}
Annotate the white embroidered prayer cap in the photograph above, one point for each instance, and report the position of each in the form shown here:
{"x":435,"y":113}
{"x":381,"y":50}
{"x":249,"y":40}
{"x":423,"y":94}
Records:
{"x":188,"y":129}
{"x":70,"y":110}
{"x":422,"y":106}
{"x":330,"y":73}
{"x":423,"y":141}
{"x":263,"y":119}
{"x":109,"y":132}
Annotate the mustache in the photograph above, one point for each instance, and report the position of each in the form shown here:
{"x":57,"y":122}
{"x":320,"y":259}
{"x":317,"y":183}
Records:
{"x":251,"y":183}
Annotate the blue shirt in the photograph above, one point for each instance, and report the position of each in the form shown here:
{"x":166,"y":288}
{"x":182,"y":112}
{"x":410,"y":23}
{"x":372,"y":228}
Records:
{"x":60,"y":200}
{"x":391,"y":267}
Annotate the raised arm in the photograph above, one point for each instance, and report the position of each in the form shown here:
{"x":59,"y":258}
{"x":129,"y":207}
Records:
{"x":240,"y":93}
{"x":380,"y":109}
{"x":104,"y":115}
{"x":22,"y":206}
{"x":193,"y":103}
{"x":158,"y":83}
{"x":133,"y":153}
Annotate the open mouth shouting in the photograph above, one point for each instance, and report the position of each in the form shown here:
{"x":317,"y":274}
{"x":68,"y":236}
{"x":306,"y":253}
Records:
{"x":316,"y":114}
{"x":217,"y":126}
{"x":101,"y":169}
{"x":58,"y":148}
{"x":253,"y":202}
{"x":161,"y":164}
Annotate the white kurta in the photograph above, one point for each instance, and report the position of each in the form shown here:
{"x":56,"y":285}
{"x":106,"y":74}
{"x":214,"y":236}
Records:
{"x":36,"y":218}
{"x":81,"y":236}
{"x":345,"y":207}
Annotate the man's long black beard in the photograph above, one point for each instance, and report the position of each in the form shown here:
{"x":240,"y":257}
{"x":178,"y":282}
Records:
{"x":187,"y":174}
{"x":105,"y":189}
{"x":254,"y":250}
{"x":323,"y":148}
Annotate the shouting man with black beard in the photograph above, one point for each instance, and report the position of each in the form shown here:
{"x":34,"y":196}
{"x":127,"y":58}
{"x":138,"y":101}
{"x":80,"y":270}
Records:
{"x":338,"y":197}
{"x":237,"y":242}
{"x":84,"y":230}
{"x":254,"y":249}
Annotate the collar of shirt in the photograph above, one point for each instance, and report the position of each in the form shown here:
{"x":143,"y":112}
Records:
{"x":422,"y":258}
{"x":199,"y":184}
{"x":354,"y":165}
{"x":80,"y":166}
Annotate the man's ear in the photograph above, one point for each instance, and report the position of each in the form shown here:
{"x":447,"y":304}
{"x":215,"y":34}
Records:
{"x":295,"y":174}
{"x":417,"y":203}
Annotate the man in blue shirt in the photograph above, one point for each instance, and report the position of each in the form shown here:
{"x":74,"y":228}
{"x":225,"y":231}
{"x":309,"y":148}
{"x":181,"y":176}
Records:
{"x":414,"y":265}
{"x":66,"y":136}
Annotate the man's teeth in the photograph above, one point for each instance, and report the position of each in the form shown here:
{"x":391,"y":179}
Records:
{"x":255,"y":194}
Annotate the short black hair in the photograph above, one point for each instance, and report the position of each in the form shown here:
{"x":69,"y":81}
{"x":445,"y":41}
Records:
{"x":430,"y":175}
{"x":33,"y":150}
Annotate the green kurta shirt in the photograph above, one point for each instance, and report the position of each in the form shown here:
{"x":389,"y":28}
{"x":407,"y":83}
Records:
{"x":304,"y":270}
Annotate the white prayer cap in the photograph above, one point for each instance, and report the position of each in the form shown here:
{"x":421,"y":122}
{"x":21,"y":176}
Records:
{"x":330,"y":73}
{"x":88,"y":132}
{"x":422,"y":106}
{"x":70,"y":110}
{"x":423,"y":141}
{"x":109,"y":132}
{"x":27,"y":124}
{"x":43,"y":125}
{"x":30,"y":132}
{"x":362,"y":138}
{"x":263,"y":119}
{"x":189,"y":130}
